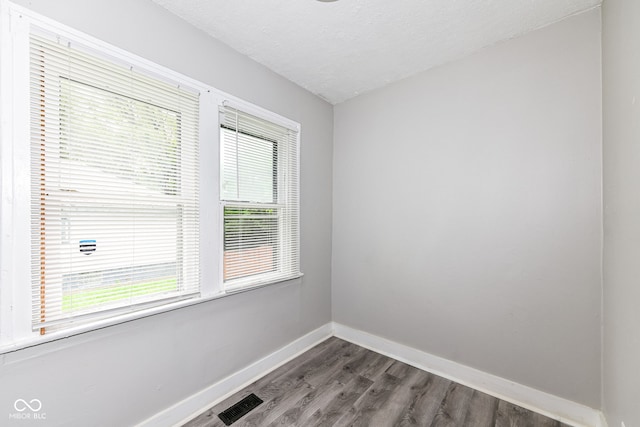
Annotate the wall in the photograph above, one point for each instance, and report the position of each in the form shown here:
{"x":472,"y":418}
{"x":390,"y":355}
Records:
{"x":124,"y":374}
{"x":467,"y":210}
{"x":621,"y":84}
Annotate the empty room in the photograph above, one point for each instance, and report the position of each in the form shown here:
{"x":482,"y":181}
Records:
{"x":320,"y":213}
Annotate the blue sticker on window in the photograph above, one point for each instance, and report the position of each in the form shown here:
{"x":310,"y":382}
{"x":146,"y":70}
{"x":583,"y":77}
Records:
{"x":87,"y":247}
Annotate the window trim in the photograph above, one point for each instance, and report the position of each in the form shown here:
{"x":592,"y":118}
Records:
{"x":15,"y":185}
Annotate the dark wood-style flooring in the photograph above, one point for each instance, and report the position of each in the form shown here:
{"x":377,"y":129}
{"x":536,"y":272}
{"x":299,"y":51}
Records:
{"x":338,"y":383}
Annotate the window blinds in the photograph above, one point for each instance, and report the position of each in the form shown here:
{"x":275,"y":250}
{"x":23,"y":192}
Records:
{"x":259,"y":194}
{"x":114,"y":173}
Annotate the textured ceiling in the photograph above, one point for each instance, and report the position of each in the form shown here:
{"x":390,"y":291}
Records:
{"x":339,"y":50}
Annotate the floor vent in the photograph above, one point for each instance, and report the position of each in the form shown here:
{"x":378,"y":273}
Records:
{"x":240,"y":409}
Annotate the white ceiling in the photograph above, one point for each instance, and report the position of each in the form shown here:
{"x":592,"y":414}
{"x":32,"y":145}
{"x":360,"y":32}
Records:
{"x":341,"y":49}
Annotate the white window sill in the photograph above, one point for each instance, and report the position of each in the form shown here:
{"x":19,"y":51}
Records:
{"x":267,"y":280}
{"x":116,"y":320}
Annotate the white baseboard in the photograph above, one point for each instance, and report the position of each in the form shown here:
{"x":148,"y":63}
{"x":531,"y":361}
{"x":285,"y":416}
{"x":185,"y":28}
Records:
{"x":564,"y":410}
{"x":183,"y":411}
{"x":552,"y":406}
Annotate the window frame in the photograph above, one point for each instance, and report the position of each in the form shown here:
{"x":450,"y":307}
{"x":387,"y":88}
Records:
{"x":15,"y":181}
{"x":266,"y":278}
{"x":55,"y":89}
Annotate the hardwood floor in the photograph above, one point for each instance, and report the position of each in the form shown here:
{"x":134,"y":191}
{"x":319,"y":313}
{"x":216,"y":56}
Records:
{"x":338,"y":383}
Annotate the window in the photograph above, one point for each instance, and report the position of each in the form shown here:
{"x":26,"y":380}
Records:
{"x":259,"y":198}
{"x":129,"y":189}
{"x":114,"y":186}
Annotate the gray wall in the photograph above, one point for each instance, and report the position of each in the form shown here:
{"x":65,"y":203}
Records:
{"x":467,"y":210}
{"x":621,"y":84}
{"x":123,"y":374}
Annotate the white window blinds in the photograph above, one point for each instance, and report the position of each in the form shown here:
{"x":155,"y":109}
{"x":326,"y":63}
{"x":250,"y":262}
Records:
{"x":259,"y":197}
{"x":114,"y":186}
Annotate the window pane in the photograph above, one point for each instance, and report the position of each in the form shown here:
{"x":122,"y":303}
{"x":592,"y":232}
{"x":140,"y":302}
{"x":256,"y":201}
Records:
{"x":116,"y":252}
{"x":249,"y":167}
{"x":130,"y":139}
{"x":250,"y":241}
